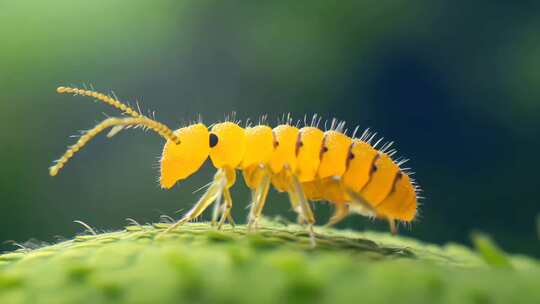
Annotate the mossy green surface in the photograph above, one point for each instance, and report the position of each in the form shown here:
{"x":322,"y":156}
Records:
{"x":198,"y":264}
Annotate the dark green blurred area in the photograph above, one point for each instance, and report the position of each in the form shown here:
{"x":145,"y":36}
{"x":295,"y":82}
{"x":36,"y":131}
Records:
{"x":455,"y":84}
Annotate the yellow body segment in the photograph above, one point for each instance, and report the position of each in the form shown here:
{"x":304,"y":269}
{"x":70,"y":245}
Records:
{"x":285,"y":138}
{"x":178,"y":161}
{"x":409,"y":212}
{"x":359,"y":167}
{"x":334,"y":154}
{"x":253,"y":175}
{"x":282,"y":181}
{"x":332,"y":191}
{"x":260,"y":146}
{"x":381,"y":181}
{"x":313,"y":190}
{"x":396,"y":204}
{"x":308,"y":152}
{"x":230,"y":147}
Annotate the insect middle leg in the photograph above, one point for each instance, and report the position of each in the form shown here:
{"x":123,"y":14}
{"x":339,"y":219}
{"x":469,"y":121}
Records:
{"x":220,"y":208}
{"x":216,"y":212}
{"x":259,"y":195}
{"x":293,"y":199}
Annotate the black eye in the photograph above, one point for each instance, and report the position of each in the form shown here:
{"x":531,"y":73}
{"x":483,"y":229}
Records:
{"x":213,"y":140}
{"x":324,"y":149}
{"x":374,"y":168}
{"x":351,"y":155}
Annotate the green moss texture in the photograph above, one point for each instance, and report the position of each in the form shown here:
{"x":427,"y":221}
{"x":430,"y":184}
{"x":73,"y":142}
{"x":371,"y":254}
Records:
{"x":199,"y":264}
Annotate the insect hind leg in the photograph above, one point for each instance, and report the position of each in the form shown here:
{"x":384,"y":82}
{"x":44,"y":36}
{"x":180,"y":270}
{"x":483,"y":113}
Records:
{"x":392,"y":226}
{"x":298,"y":197}
{"x":341,"y":212}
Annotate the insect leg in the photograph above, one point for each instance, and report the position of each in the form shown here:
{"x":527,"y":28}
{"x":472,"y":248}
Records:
{"x":342,"y":210}
{"x":231,"y":220}
{"x":216,"y":211}
{"x":226,"y":208}
{"x":393,"y":226}
{"x":359,"y":204}
{"x":230,"y":179}
{"x":300,"y":219}
{"x":251,"y":220}
{"x":307,"y":213}
{"x":211,"y":195}
{"x":259,"y":196}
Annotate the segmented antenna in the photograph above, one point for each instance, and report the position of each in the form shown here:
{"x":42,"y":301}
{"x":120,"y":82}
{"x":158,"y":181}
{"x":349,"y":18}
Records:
{"x":114,"y":102}
{"x":101,"y":97}
{"x":157,"y":127}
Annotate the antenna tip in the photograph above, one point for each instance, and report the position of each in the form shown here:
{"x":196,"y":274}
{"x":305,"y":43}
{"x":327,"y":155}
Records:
{"x":53,"y":171}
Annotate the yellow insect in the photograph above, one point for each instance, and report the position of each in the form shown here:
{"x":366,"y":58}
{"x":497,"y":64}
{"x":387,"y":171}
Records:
{"x":307,"y":163}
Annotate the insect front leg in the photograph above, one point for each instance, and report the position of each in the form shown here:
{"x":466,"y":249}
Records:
{"x":230,"y":179}
{"x":214,"y":191}
{"x":218,"y":207}
{"x":226,"y":214}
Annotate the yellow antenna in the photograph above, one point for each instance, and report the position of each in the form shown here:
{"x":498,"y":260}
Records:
{"x":116,"y":104}
{"x":101,"y":97}
{"x":136,"y":120}
{"x":157,"y":127}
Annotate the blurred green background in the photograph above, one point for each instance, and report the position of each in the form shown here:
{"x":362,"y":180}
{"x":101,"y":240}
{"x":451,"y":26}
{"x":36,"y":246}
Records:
{"x":455,"y":83}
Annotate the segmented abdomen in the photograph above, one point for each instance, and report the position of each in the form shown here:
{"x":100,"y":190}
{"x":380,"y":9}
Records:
{"x":329,"y":164}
